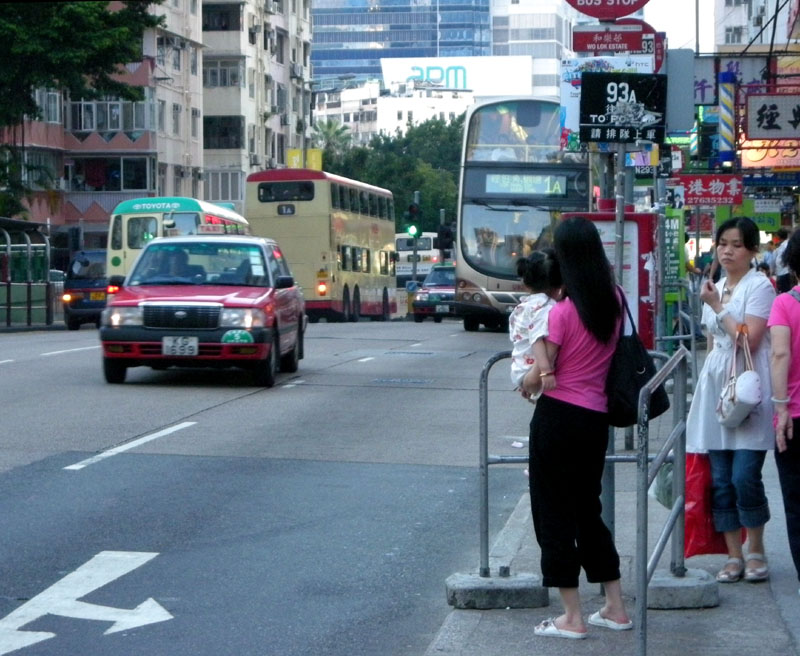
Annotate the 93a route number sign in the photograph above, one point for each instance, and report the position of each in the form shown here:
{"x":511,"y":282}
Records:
{"x":607,"y":9}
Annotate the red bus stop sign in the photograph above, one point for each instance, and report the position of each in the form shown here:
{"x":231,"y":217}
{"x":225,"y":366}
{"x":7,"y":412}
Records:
{"x":607,"y":9}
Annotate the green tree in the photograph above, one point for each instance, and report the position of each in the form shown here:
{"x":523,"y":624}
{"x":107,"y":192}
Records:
{"x":331,"y":136}
{"x":77,"y":47}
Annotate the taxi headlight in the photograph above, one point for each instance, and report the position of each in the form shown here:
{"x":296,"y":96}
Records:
{"x":122,"y":316}
{"x":421,"y":297}
{"x":242,"y":318}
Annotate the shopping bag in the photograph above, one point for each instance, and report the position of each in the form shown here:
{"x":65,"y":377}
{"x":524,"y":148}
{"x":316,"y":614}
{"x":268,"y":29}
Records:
{"x":700,"y":536}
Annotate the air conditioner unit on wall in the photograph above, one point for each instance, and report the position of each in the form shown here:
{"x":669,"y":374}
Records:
{"x":272,"y":163}
{"x":297,"y":71}
{"x":255,"y":160}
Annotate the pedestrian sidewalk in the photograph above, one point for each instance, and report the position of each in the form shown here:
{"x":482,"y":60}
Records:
{"x":752,"y":619}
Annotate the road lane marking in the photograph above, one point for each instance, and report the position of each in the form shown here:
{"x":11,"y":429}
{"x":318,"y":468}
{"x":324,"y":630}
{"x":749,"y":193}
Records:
{"x":128,"y":446}
{"x":366,"y":359}
{"x":417,"y":344}
{"x":5,"y":361}
{"x":83,"y":348}
{"x":61,"y":598}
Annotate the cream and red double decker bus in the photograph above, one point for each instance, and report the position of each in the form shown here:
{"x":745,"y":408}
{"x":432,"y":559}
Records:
{"x":337,"y":234}
{"x":515,"y":183}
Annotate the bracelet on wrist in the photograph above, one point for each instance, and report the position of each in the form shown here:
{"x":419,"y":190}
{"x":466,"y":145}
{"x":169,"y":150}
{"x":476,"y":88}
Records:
{"x":544,"y":374}
{"x":774,"y":400}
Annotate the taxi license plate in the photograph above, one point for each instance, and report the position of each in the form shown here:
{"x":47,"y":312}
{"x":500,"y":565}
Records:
{"x":443,"y":308}
{"x":97,"y":296}
{"x":178,"y":345}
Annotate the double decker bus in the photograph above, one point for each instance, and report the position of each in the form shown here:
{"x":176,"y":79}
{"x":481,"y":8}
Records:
{"x":337,"y":234}
{"x":135,"y":222}
{"x":515,"y":182}
{"x":427,"y":256}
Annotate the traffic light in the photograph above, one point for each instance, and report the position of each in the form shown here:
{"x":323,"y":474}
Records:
{"x":411,"y":230}
{"x":445,"y":236}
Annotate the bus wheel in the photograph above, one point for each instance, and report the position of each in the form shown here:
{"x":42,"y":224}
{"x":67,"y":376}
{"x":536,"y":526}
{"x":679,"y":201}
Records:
{"x":437,"y":320}
{"x":266,"y":372}
{"x":114,"y":371}
{"x":355,"y":315}
{"x":471,"y":324}
{"x":345,"y":316}
{"x":385,"y":313}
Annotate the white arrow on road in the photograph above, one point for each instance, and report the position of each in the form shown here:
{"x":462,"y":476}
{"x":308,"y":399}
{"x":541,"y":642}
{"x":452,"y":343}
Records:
{"x":61,"y":598}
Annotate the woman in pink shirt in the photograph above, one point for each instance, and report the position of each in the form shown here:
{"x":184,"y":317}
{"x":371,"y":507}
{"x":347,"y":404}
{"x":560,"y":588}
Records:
{"x":784,"y":329}
{"x":569,"y":435}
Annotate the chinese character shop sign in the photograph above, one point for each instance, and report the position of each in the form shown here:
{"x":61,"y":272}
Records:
{"x":709,"y":189}
{"x":773,"y":116}
{"x":622,"y":107}
{"x":607,"y":9}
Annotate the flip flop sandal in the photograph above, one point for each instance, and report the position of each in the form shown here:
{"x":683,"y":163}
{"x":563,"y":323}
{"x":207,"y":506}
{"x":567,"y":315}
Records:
{"x":596,"y":619}
{"x":731,"y":575}
{"x":548,"y":628}
{"x":756,"y":574}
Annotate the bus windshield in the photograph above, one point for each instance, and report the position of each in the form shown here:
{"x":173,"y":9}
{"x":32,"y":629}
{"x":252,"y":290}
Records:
{"x":496,"y":235}
{"x":517,"y":131}
{"x":407,"y":244}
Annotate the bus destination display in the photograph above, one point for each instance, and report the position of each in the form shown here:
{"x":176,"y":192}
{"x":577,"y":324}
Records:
{"x":526,"y":183}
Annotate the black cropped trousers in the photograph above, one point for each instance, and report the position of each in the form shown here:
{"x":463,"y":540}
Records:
{"x":567,"y":455}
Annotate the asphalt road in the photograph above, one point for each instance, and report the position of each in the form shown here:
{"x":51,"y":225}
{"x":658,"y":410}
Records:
{"x":319,"y":516}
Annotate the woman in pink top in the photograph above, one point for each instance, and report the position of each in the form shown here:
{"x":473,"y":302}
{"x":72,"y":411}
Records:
{"x":569,"y":435}
{"x":784,"y":329}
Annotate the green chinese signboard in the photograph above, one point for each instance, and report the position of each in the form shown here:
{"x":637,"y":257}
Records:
{"x":766,"y":212}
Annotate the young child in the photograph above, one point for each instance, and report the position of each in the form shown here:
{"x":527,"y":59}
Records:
{"x":527,"y":325}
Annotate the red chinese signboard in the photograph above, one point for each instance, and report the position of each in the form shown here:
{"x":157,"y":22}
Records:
{"x":607,"y":9}
{"x":608,"y":38}
{"x":709,"y":189}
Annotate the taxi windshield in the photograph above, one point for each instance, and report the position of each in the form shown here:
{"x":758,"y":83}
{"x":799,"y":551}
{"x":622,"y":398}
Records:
{"x":201,"y":264}
{"x":441,"y":278}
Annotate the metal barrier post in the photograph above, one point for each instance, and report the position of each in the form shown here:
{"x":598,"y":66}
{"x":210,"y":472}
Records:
{"x":8,"y":275}
{"x":484,"y":460}
{"x":677,"y":564}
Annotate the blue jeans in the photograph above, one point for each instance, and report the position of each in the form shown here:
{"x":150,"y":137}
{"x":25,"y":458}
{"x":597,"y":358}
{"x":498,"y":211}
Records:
{"x":738,"y":497}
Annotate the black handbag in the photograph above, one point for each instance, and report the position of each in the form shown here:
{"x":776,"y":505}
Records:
{"x":631,"y":367}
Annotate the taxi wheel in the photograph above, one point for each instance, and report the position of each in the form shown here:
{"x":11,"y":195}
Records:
{"x":437,"y":320}
{"x":418,"y":318}
{"x":114,"y":371}
{"x":73,"y":324}
{"x":291,"y":361}
{"x":267,"y":371}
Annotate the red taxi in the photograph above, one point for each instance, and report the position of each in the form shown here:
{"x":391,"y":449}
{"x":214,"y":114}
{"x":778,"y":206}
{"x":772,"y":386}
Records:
{"x":437,"y":295}
{"x":205,"y":301}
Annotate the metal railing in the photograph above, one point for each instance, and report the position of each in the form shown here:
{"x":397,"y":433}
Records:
{"x":647,"y":469}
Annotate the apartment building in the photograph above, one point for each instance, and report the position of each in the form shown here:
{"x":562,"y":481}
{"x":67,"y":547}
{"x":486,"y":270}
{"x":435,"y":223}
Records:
{"x":226,"y":92}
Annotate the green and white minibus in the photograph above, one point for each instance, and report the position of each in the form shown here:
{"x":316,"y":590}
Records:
{"x":135,"y":222}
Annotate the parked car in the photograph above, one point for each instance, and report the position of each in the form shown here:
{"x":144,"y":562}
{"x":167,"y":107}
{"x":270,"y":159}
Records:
{"x":205,"y":301}
{"x":436,"y":296}
{"x":84,"y":293}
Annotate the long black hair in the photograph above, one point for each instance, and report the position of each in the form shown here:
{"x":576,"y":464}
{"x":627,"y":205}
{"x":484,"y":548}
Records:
{"x":540,"y":271}
{"x":587,"y":276}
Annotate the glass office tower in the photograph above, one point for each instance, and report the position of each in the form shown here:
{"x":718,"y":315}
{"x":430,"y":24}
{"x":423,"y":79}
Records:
{"x":351,"y":36}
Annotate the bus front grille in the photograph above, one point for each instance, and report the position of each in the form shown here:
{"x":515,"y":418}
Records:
{"x":181,"y":316}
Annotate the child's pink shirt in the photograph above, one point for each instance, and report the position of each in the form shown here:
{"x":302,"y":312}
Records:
{"x":582,"y":362}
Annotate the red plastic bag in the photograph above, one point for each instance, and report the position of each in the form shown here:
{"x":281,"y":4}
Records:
{"x":700,"y":535}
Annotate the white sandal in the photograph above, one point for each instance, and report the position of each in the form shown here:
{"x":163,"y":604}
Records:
{"x":756,"y":574}
{"x":731,"y":575}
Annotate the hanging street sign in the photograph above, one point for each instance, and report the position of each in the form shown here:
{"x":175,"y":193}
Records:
{"x":629,"y":35}
{"x":773,"y":116}
{"x":607,"y":9}
{"x":709,"y":189}
{"x":623,"y":107}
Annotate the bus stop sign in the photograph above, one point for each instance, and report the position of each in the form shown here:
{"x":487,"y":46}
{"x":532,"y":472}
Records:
{"x":607,"y":9}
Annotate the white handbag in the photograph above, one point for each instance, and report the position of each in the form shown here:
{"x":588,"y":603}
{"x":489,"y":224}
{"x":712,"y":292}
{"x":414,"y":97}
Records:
{"x":742,"y":392}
